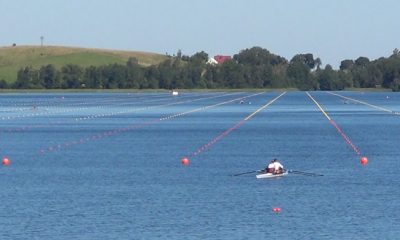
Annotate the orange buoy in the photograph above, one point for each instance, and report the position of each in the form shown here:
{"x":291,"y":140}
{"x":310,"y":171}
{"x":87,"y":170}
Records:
{"x":364,"y":160}
{"x":185,"y":161}
{"x":6,"y":162}
{"x":276,"y":209}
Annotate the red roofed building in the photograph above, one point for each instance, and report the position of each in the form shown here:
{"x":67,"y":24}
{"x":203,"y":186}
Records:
{"x":221,"y":59}
{"x":218,"y":59}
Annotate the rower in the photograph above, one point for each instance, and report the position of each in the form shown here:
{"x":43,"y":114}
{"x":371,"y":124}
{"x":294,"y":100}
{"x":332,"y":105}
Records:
{"x":271,"y":167}
{"x":278,"y":167}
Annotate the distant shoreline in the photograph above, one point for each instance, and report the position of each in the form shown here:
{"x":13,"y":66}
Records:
{"x":183,"y":90}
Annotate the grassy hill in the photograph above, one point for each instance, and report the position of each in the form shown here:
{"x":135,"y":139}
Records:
{"x":13,"y":58}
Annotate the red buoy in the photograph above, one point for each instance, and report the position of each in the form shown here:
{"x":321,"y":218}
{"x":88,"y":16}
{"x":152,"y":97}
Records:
{"x":6,"y":162}
{"x":276,"y":209}
{"x":364,"y":160}
{"x":185,"y":161}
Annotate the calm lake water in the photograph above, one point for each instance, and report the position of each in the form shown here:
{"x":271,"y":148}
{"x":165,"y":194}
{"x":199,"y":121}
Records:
{"x":108,"y":166}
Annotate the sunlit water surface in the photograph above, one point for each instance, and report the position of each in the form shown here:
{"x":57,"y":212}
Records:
{"x":108,"y":166}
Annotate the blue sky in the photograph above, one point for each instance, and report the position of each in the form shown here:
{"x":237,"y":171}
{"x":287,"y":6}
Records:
{"x":332,"y":30}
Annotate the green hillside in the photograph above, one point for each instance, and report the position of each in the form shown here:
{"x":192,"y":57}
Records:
{"x":13,"y":58}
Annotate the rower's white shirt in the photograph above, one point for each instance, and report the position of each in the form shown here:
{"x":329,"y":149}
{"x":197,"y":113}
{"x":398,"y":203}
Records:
{"x":277,"y":165}
{"x":271,"y":165}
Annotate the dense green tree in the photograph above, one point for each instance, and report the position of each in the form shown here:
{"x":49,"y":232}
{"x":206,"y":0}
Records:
{"x":3,"y":84}
{"x":375,"y":76}
{"x":346,"y":79}
{"x":115,"y":76}
{"x":232,"y":75}
{"x":299,"y":72}
{"x":328,"y":79}
{"x":306,"y":59}
{"x":318,"y":63}
{"x":347,"y":65}
{"x":167,"y":73}
{"x":395,"y":85}
{"x":199,"y":58}
{"x":72,"y":76}
{"x":360,"y":77}
{"x":93,"y":77}
{"x":152,"y":76}
{"x":210,"y":76}
{"x":258,"y":56}
{"x":390,"y":69}
{"x":361,"y":62}
{"x":135,"y":74}
{"x":23,"y":81}
{"x":254,"y":67}
{"x":49,"y":77}
{"x":27,"y":77}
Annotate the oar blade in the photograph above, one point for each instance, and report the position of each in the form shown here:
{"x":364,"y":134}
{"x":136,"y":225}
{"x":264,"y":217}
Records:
{"x":243,"y":173}
{"x":306,"y":173}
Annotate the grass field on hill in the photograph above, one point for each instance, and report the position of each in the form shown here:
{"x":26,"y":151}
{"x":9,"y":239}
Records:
{"x":13,"y":58}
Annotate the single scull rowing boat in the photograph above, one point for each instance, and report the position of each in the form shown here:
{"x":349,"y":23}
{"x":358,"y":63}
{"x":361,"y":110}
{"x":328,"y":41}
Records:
{"x":271,"y":175}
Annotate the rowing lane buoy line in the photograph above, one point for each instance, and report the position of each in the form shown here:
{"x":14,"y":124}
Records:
{"x":365,"y":103}
{"x":141,"y":125}
{"x":207,"y":107}
{"x":91,"y":117}
{"x":347,"y":139}
{"x":236,"y":126}
{"x":53,"y":108}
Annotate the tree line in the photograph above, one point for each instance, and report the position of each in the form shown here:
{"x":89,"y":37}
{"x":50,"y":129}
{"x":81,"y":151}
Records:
{"x":251,"y":68}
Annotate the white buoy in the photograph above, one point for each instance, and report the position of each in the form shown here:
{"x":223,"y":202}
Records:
{"x":175,"y":93}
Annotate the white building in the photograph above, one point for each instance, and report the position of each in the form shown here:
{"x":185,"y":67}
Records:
{"x":212,"y":61}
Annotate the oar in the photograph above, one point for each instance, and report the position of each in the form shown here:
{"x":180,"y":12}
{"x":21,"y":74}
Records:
{"x":238,"y":174}
{"x":305,"y":173}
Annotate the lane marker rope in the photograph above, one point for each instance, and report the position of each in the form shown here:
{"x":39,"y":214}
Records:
{"x":236,"y":126}
{"x":138,"y":125}
{"x":94,"y":116}
{"x":338,"y":129}
{"x":365,"y":103}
